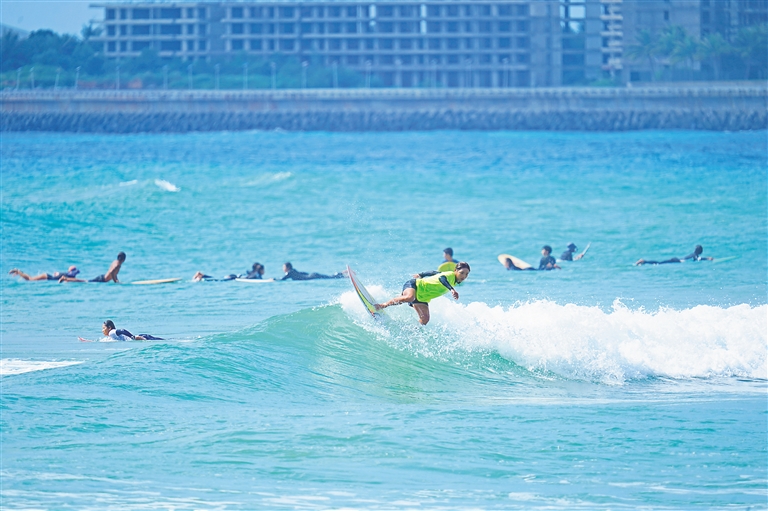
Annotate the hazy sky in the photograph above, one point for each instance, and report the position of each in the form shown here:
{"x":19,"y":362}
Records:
{"x":63,"y":16}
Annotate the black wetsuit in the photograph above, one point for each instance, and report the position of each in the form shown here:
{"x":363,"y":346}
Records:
{"x":302,"y":275}
{"x":545,"y":261}
{"x":566,"y":256}
{"x":693,"y":257}
{"x":148,"y":337}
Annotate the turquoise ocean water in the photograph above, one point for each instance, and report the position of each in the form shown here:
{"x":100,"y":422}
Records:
{"x":600,"y":386}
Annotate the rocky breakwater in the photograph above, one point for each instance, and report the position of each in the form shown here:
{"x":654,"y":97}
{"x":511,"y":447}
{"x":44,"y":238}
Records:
{"x":734,"y":107}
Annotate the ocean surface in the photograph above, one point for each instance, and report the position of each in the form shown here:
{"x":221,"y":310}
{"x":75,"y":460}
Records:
{"x":603,"y":385}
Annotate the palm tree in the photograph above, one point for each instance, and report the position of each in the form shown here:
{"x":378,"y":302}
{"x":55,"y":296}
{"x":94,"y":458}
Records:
{"x":89,"y":31}
{"x":670,"y":39}
{"x":685,"y":50}
{"x":751,"y":43}
{"x":646,"y":48}
{"x":712,"y":48}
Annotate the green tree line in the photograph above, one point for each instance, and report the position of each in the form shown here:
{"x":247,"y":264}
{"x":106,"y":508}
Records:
{"x":745,"y":57}
{"x":46,"y":59}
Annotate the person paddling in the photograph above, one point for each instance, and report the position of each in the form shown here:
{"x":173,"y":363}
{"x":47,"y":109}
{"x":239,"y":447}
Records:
{"x":427,"y":286}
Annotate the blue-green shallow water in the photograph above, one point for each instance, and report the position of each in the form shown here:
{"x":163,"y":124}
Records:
{"x":600,"y":386}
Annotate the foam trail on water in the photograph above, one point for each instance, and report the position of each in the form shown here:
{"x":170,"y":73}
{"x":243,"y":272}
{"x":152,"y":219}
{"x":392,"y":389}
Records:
{"x":167,"y":186}
{"x":10,"y":366}
{"x":588,"y":343}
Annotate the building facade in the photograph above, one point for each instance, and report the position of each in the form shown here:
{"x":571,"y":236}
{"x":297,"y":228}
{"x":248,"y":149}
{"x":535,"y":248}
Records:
{"x":446,"y":43}
{"x":518,"y":43}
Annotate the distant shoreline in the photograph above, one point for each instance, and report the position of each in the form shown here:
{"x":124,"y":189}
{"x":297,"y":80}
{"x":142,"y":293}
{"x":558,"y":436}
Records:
{"x":715,"y":107}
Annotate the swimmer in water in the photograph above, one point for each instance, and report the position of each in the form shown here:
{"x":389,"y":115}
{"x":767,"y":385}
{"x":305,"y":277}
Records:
{"x":449,"y":263}
{"x":71,"y":273}
{"x":427,"y":286}
{"x":293,"y":274}
{"x":109,"y":330}
{"x":695,"y":256}
{"x":111,"y":274}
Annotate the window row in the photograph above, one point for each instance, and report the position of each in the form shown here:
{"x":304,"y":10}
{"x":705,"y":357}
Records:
{"x":124,"y":30}
{"x":138,"y":46}
{"x":156,"y":13}
{"x":379,"y":11}
{"x":403,"y":27}
{"x":381,"y":44}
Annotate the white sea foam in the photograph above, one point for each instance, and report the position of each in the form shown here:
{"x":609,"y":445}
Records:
{"x":167,"y":186}
{"x":129,"y":183}
{"x":10,"y":366}
{"x":588,"y":343}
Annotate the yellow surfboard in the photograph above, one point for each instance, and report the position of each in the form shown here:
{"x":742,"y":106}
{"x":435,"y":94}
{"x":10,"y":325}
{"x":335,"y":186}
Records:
{"x":519,"y":263}
{"x":446,"y":266}
{"x":364,"y":295}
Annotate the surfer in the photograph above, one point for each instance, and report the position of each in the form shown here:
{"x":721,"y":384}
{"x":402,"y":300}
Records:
{"x":449,"y":263}
{"x":568,"y":254}
{"x":695,"y":256}
{"x":546,"y":263}
{"x":111,"y":274}
{"x":293,"y":274}
{"x":109,"y":330}
{"x":256,"y":272}
{"x":71,"y":273}
{"x":427,"y":286}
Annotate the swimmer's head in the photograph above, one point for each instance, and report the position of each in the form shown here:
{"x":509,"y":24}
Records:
{"x":698,"y":250}
{"x":546,"y":250}
{"x":121,"y":257}
{"x":287,"y":267}
{"x":107,"y":327}
{"x":571,"y":246}
{"x":448,"y":251}
{"x":73,"y":270}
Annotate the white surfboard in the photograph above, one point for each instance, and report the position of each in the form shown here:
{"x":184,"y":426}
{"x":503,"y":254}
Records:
{"x":255,"y":281}
{"x":155,"y":281}
{"x":364,"y":295}
{"x":581,"y":256}
{"x":519,"y":263}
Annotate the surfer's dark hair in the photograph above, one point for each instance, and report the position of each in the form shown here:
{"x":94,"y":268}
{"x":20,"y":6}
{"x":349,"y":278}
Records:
{"x":108,"y":323}
{"x":448,"y":251}
{"x":547,"y":248}
{"x":288,"y":265}
{"x":121,"y":256}
{"x":462,"y":265}
{"x":698,"y":250}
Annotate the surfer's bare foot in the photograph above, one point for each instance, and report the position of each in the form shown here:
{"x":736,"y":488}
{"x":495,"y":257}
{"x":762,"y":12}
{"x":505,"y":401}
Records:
{"x":14,"y":271}
{"x":379,"y":306}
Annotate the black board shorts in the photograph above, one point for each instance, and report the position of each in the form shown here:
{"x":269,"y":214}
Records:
{"x":100,"y":278}
{"x":411,"y":284}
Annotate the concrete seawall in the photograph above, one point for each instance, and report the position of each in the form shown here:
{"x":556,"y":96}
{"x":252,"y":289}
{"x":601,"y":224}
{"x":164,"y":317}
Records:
{"x":579,"y":109}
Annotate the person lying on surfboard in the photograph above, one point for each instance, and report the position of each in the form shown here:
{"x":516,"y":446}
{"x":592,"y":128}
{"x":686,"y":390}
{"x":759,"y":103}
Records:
{"x":695,"y":256}
{"x":109,"y":330}
{"x":255,"y":273}
{"x":72,"y":273}
{"x":449,"y":263}
{"x":568,"y":254}
{"x":293,"y":274}
{"x":427,"y":286}
{"x":111,"y":274}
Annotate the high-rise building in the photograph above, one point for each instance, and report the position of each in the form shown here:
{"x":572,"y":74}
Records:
{"x":408,"y":43}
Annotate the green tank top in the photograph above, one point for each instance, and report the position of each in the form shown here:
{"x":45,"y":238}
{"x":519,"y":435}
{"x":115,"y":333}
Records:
{"x":429,"y":288}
